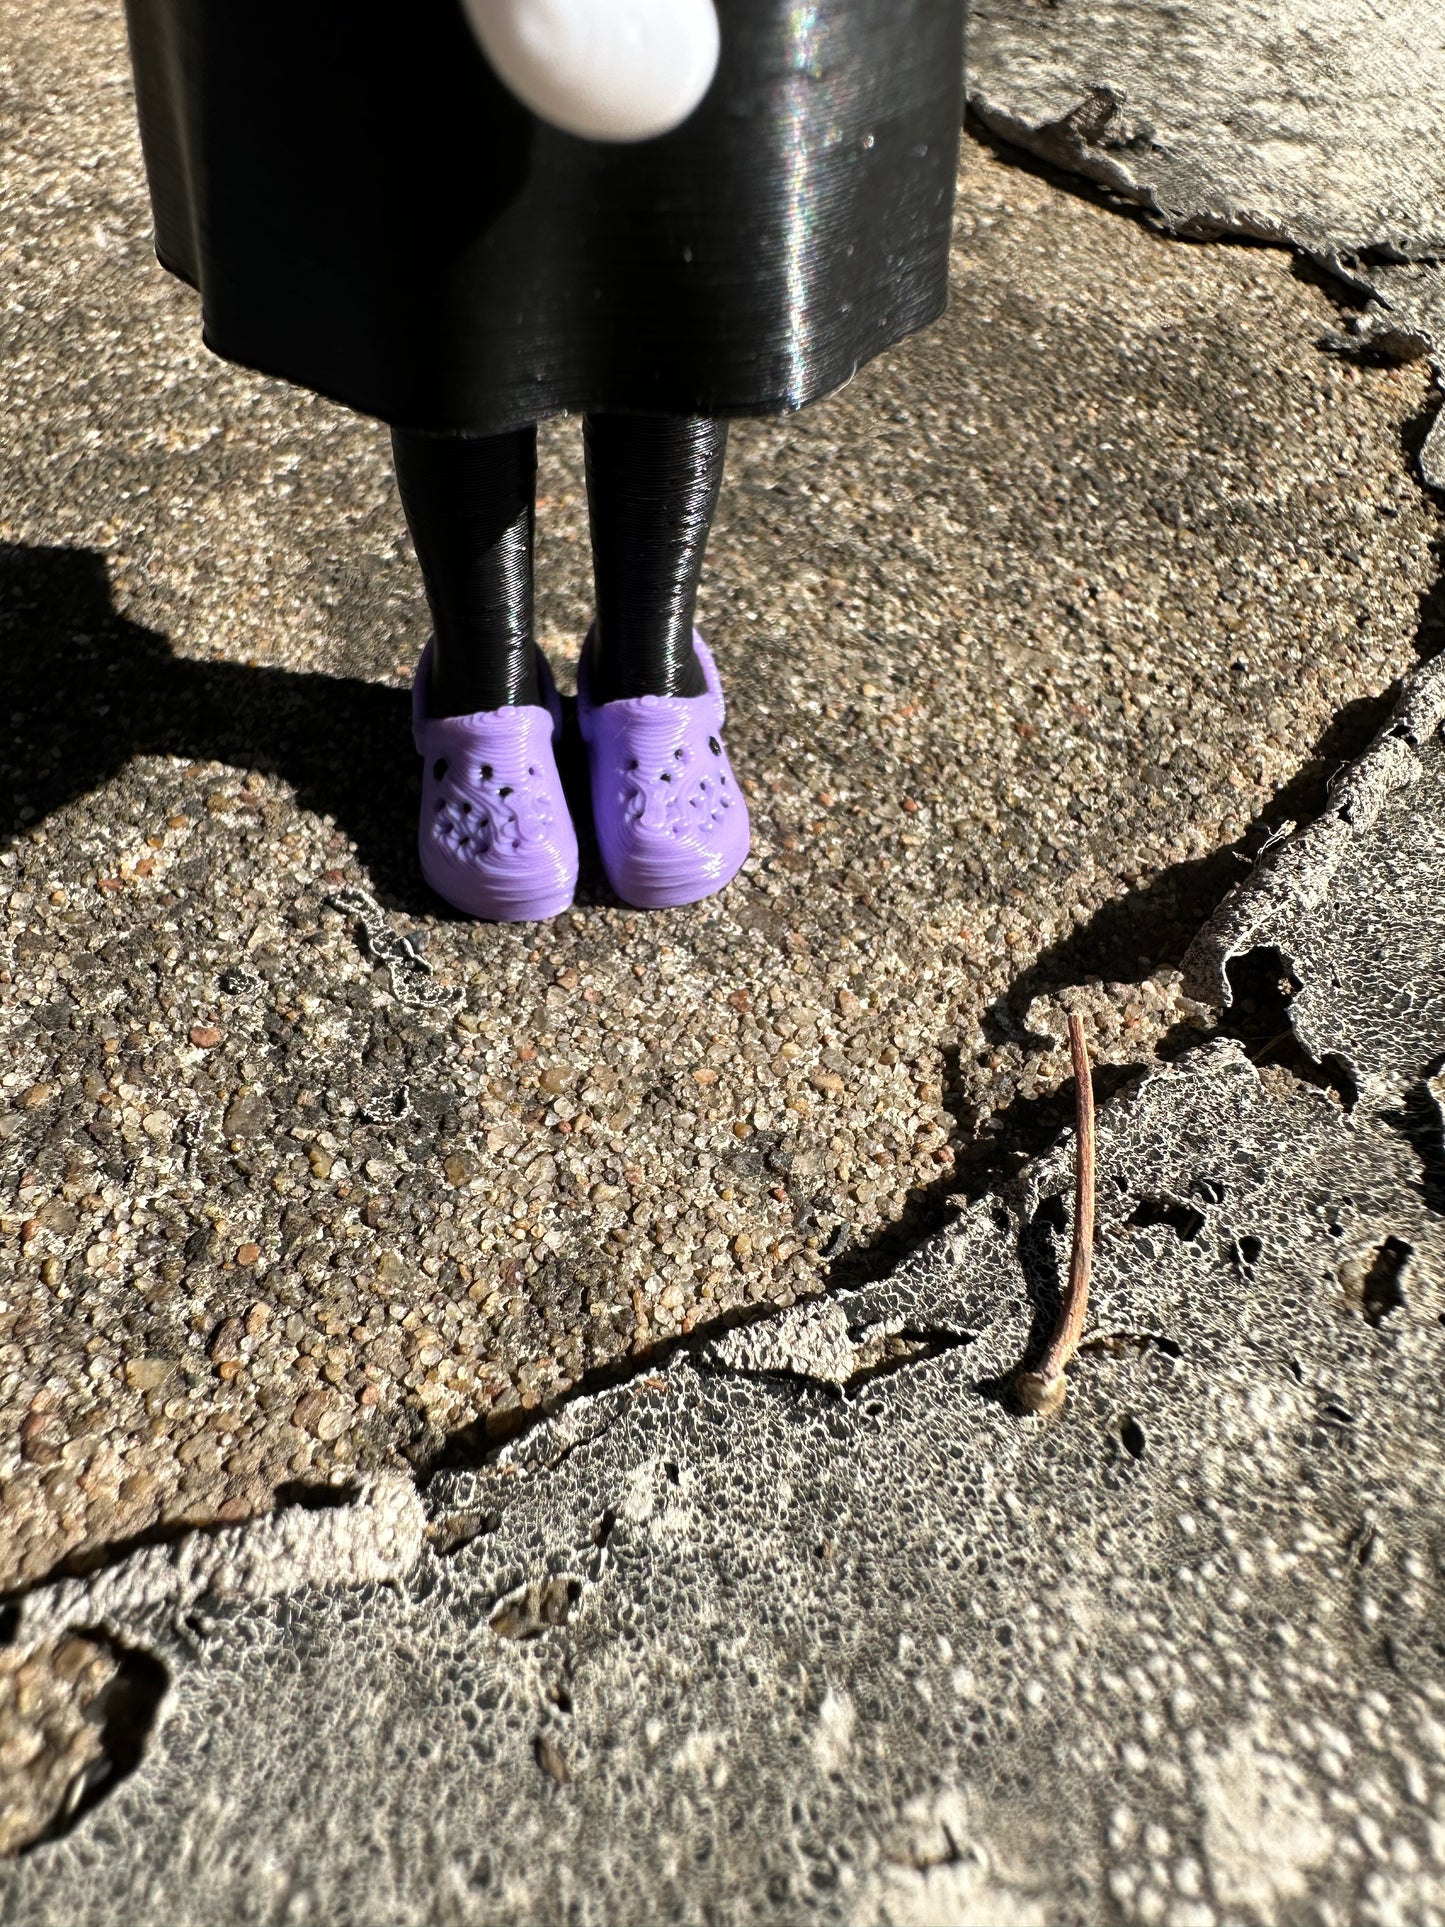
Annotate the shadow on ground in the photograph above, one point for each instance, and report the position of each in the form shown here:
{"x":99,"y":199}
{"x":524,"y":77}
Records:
{"x":86,"y":690}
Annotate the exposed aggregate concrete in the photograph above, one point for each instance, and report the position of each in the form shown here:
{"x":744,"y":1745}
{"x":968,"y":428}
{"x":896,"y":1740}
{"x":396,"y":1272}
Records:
{"x":49,"y":1740}
{"x":812,"y":1623}
{"x":1259,"y":1836}
{"x":752,"y":1638}
{"x":1023,"y":630}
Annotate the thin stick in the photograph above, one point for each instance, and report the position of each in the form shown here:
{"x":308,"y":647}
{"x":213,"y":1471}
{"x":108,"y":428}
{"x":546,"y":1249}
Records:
{"x":1046,"y":1389}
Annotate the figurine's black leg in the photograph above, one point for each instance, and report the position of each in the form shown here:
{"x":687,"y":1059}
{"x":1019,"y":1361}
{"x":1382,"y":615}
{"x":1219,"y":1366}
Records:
{"x":469,"y":506}
{"x":652,"y":486}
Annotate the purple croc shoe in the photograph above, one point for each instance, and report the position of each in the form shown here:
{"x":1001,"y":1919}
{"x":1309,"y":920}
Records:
{"x":496,"y":837}
{"x":672,"y":825}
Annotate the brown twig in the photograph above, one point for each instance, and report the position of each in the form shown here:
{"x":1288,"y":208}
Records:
{"x":1045,"y":1389}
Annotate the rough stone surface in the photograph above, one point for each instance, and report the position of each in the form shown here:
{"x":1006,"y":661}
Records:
{"x":898,"y":1656}
{"x":798,"y":1628}
{"x":1100,"y":585}
{"x":374,"y":1538}
{"x":1029,"y":632}
{"x":1311,"y":122}
{"x":49,"y":1740}
{"x":1337,"y":900}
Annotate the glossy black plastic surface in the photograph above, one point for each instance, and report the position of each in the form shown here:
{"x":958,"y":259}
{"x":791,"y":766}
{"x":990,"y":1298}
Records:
{"x":368,"y":212}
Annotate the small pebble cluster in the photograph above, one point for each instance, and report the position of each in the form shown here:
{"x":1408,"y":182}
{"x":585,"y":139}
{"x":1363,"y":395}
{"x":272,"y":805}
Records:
{"x":47,"y":1740}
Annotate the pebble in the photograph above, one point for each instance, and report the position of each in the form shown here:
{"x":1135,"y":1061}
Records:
{"x":228,"y":1341}
{"x":49,"y":1730}
{"x":148,"y":1374}
{"x":245,"y":1115}
{"x":309,"y":1410}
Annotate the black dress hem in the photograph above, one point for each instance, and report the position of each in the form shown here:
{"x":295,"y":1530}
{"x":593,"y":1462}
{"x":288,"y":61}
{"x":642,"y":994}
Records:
{"x":368,"y":213}
{"x":828,"y":380}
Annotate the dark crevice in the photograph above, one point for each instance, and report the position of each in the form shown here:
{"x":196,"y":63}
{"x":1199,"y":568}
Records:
{"x":900,"y":1351}
{"x":1362,"y":1541}
{"x":1366,"y":351}
{"x":1383,"y":1292}
{"x":1421,"y":1122}
{"x":1150,"y":926}
{"x":988,"y":1153}
{"x":1414,"y":434}
{"x":906,"y":1349}
{"x":1131,"y":1436}
{"x":1262,"y":986}
{"x":1122,"y":1343}
{"x":84,"y":1564}
{"x":1247,"y":1252}
{"x":125,"y":1711}
{"x":1155,"y":923}
{"x":1158,"y":920}
{"x":1372,"y":1282}
{"x":470,"y":1446}
{"x":1072,"y":169}
{"x":1183,"y":1219}
{"x":1051,"y":1213}
{"x":1022,"y":1130}
{"x":299,"y":1495}
{"x":635,"y":1384}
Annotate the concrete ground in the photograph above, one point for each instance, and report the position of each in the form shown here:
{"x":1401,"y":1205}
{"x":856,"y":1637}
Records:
{"x":1032,"y":633}
{"x":811,"y":1625}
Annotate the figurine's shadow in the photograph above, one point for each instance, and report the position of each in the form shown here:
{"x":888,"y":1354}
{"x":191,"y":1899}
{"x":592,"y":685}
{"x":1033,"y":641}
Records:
{"x":83,"y":691}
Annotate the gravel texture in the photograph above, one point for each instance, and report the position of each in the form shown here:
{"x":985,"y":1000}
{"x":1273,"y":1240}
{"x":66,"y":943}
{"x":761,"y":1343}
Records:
{"x":1025,"y":632}
{"x":49,"y":1743}
{"x":810,"y":1624}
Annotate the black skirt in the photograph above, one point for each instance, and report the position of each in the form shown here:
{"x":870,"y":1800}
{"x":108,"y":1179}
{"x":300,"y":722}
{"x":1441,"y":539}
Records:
{"x":368,"y":212}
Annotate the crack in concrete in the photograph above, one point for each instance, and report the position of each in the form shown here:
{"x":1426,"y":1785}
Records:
{"x":1293,"y":877}
{"x":381,"y":1535}
{"x":821,"y":1341}
{"x":816,"y":1343}
{"x":1137,"y":101}
{"x":374,"y":1540}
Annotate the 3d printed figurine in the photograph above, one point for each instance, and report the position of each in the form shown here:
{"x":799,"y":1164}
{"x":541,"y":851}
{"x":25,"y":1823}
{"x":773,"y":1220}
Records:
{"x":640,"y":211}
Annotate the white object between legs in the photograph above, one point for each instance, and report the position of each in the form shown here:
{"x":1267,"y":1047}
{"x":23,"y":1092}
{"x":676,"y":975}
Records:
{"x":609,"y":70}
